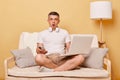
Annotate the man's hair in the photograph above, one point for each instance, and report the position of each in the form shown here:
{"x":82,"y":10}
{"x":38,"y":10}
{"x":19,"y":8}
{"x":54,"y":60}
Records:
{"x":53,"y":13}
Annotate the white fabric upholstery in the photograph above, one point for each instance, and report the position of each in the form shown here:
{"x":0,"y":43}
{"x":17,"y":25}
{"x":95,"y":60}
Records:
{"x":34,"y":72}
{"x":30,"y":39}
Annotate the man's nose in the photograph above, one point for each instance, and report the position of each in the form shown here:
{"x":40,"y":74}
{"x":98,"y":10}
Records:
{"x":53,"y":21}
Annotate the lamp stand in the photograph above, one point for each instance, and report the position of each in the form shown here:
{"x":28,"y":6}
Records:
{"x":101,"y":42}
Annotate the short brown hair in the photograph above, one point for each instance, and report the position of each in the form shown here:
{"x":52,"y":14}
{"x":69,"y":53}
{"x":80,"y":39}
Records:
{"x":53,"y":13}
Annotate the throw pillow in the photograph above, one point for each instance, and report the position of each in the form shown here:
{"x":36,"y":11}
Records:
{"x":95,"y":58}
{"x":24,"y":57}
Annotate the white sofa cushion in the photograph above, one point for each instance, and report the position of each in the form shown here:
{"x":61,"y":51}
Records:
{"x":34,"y":72}
{"x":28,"y":40}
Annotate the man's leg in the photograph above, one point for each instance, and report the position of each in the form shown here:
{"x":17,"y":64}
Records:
{"x":71,"y":63}
{"x":42,"y":60}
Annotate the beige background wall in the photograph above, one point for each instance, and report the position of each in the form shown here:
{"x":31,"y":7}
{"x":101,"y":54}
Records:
{"x":17,"y":16}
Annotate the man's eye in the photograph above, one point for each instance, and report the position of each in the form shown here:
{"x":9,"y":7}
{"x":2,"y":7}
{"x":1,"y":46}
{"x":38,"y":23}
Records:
{"x":53,"y":19}
{"x":56,"y":19}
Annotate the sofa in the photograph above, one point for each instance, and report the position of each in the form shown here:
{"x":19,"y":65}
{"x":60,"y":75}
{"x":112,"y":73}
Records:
{"x":27,"y":39}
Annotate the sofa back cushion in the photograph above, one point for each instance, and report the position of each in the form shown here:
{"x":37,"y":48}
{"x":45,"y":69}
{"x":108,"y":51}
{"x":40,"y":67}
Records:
{"x":30,"y":39}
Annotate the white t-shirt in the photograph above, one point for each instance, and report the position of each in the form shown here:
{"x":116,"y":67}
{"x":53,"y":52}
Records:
{"x":54,"y":41}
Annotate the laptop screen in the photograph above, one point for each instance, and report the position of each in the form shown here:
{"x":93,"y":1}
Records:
{"x":80,"y":44}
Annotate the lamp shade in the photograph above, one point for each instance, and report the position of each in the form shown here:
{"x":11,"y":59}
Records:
{"x":101,"y":10}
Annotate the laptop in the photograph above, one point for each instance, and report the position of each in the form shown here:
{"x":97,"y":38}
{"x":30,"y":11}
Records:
{"x":79,"y":45}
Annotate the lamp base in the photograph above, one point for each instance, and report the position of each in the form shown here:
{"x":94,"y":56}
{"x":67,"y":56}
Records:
{"x":102,"y":44}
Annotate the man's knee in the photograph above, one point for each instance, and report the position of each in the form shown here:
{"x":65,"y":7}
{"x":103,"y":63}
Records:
{"x":39,"y":59}
{"x":79,"y":59}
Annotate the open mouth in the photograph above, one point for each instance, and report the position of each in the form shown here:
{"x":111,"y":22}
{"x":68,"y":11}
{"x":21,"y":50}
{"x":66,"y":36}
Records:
{"x":53,"y":24}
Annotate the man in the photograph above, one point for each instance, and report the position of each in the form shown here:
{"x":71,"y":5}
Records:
{"x":53,"y":42}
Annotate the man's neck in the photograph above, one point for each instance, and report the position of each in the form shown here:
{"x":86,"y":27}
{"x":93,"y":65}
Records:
{"x":53,"y":29}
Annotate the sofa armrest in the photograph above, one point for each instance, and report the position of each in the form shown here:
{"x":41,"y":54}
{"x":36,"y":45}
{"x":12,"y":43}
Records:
{"x":107,"y":63}
{"x":7,"y":63}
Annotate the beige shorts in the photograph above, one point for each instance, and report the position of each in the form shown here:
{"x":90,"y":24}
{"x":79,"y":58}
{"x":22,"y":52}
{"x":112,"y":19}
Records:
{"x":57,"y":59}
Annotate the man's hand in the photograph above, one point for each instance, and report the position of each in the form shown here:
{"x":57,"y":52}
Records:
{"x":40,"y":50}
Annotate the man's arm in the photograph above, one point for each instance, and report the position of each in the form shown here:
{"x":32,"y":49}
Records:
{"x":67,"y":46}
{"x":40,"y":49}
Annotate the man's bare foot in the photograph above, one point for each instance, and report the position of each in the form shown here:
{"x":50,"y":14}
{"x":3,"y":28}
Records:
{"x":57,"y":69}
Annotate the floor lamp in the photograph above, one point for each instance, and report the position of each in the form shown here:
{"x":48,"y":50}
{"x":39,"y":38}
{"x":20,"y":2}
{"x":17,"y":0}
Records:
{"x":101,"y":10}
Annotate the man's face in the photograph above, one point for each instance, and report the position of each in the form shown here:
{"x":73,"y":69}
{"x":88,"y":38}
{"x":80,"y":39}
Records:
{"x":53,"y":21}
